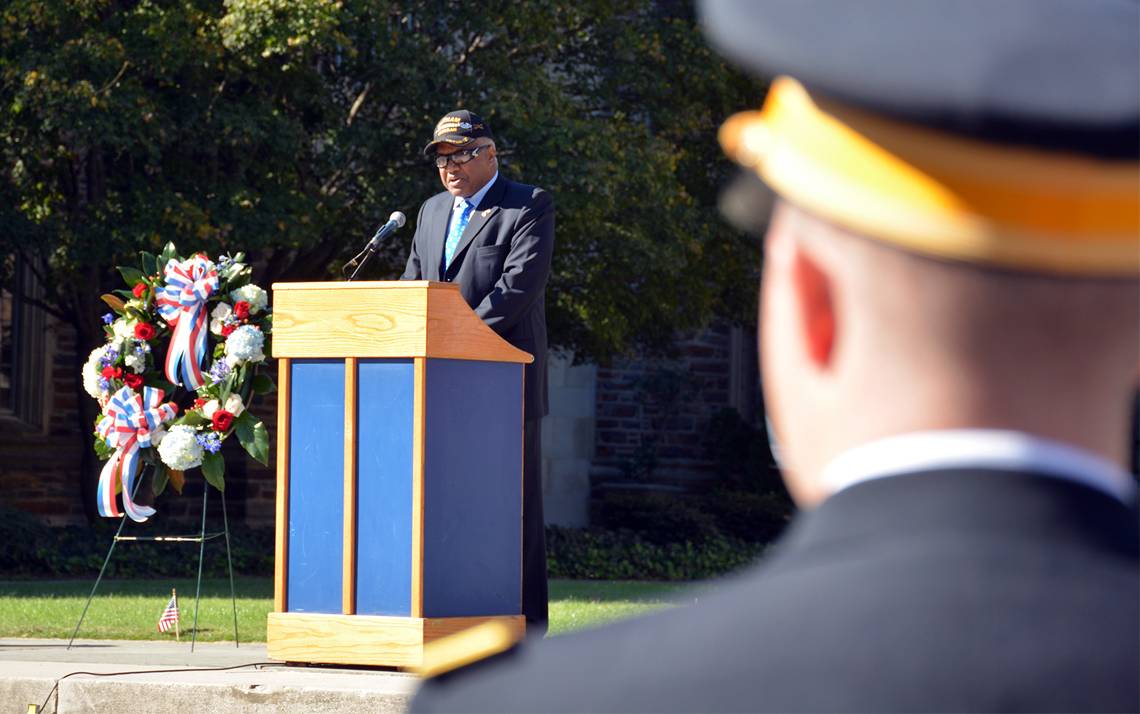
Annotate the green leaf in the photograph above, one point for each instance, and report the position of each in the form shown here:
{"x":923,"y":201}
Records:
{"x":231,"y":273}
{"x":227,"y":386}
{"x":263,"y":384}
{"x":253,"y":436}
{"x":102,"y":451}
{"x":149,"y":263}
{"x":161,"y":478}
{"x":192,"y":418}
{"x":125,"y":294}
{"x":168,"y":252}
{"x":214,"y":470}
{"x":132,"y":276}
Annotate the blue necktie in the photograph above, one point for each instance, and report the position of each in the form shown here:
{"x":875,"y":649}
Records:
{"x":455,"y":232}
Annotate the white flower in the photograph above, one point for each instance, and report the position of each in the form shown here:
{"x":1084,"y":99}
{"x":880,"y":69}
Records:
{"x":124,"y":331}
{"x":245,"y":345}
{"x":135,"y":361}
{"x":257,"y":298}
{"x":124,"y":328}
{"x":218,"y":316}
{"x":180,"y":449}
{"x":234,"y":406}
{"x":93,"y":370}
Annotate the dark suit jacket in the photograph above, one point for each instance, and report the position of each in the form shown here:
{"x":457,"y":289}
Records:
{"x":502,"y":264}
{"x":941,"y":591}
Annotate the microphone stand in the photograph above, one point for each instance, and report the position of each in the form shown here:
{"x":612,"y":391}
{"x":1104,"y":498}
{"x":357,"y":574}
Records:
{"x":367,"y":253}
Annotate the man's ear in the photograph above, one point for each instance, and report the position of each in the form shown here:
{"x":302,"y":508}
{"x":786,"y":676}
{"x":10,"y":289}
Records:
{"x":813,"y":291}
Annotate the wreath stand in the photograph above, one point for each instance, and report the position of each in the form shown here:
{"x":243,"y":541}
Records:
{"x":200,"y":539}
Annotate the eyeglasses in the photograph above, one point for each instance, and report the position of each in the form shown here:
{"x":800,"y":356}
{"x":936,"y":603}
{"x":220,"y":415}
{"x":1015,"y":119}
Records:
{"x":459,"y":157}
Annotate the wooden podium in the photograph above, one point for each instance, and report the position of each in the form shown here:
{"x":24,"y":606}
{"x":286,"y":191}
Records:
{"x":399,"y":472}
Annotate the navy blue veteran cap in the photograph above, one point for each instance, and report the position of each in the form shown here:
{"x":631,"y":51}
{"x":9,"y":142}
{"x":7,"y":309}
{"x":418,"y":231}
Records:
{"x":1004,"y":132}
{"x":458,"y":128}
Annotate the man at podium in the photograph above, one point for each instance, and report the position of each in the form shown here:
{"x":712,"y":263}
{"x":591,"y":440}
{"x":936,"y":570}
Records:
{"x":494,"y":237}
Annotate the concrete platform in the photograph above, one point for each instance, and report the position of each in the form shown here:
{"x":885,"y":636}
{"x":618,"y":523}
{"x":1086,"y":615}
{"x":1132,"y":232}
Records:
{"x":165,"y":678}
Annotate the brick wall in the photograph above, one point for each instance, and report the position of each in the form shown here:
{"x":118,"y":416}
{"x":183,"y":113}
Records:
{"x":653,"y":415}
{"x":40,"y":467}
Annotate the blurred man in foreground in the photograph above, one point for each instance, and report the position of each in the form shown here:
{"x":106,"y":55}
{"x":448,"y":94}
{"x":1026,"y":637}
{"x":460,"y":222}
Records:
{"x":950,"y":328}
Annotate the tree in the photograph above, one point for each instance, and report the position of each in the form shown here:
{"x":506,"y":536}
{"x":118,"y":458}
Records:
{"x":290,"y":128}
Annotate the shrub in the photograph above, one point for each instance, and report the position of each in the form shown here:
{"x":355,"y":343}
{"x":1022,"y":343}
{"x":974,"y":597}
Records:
{"x":658,"y":517}
{"x":596,"y":554}
{"x":35,"y":550}
{"x":747,"y":515}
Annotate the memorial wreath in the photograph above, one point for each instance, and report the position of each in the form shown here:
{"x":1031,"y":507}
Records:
{"x":177,"y":374}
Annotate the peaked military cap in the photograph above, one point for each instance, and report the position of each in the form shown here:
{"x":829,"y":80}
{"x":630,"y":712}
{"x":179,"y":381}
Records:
{"x":1003,"y":133}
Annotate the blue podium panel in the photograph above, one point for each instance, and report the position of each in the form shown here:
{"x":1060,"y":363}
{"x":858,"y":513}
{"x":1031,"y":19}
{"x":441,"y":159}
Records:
{"x":385,"y":393}
{"x":472,"y":488}
{"x":316,"y":486}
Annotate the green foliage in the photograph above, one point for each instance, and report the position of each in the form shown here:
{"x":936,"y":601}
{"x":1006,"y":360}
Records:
{"x":33,"y":549}
{"x":253,"y":436}
{"x":606,"y":555}
{"x":668,"y":518}
{"x":659,"y":518}
{"x":288,"y":127}
{"x":214,"y":470}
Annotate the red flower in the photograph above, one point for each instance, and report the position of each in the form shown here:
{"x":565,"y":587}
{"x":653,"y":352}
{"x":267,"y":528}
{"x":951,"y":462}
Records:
{"x":227,"y":329}
{"x":112,"y":372}
{"x":145,"y":331}
{"x":222,"y":420}
{"x":199,"y":403}
{"x":134,"y":381}
{"x":241,"y":309}
{"x":139,"y":290}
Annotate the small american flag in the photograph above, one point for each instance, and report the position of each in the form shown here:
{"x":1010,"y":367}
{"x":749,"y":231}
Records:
{"x":169,"y":615}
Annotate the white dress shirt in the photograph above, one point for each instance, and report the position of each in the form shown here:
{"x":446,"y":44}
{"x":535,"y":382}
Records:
{"x":976,"y":449}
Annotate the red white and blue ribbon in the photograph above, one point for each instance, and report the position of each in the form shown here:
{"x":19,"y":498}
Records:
{"x":128,"y":424}
{"x":182,"y":303}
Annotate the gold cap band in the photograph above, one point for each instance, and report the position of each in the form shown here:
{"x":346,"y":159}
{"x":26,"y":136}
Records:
{"x":938,"y":194}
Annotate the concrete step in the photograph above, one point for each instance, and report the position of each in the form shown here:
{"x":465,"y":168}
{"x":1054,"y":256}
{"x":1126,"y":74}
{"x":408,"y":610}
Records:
{"x":165,"y":678}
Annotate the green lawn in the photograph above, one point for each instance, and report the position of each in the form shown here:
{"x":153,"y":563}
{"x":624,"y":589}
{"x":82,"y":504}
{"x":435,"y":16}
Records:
{"x":129,"y":609}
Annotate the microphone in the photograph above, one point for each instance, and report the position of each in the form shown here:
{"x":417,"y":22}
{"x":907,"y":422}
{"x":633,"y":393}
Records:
{"x":395,"y":221}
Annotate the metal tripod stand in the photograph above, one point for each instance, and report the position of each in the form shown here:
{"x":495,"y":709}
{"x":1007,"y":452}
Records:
{"x":200,"y":539}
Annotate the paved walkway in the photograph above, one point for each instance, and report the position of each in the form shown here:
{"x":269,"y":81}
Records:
{"x":164,"y":679}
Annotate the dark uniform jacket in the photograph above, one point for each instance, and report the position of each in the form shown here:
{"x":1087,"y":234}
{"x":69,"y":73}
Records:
{"x":941,"y":591}
{"x":502,"y":264}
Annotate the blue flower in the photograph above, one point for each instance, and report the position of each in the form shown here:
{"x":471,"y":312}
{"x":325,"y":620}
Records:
{"x":211,"y":442}
{"x":108,"y":318}
{"x":219,"y":370}
{"x":109,"y":357}
{"x":104,"y":384}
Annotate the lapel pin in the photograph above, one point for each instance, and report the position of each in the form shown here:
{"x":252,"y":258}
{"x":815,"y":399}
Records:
{"x":485,"y":212}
